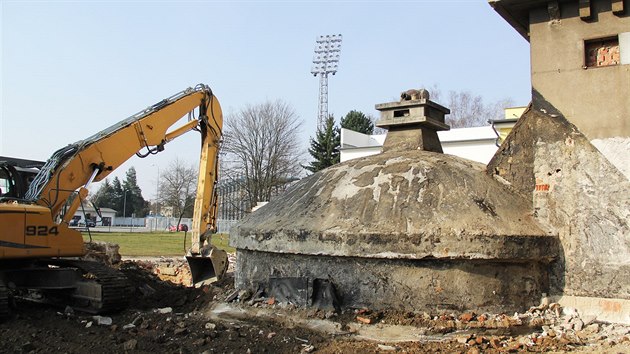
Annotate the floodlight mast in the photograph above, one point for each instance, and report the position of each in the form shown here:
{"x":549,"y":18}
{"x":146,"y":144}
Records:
{"x":325,"y":61}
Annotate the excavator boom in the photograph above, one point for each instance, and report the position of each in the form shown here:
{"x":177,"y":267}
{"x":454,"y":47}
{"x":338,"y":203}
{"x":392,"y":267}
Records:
{"x":71,"y":167}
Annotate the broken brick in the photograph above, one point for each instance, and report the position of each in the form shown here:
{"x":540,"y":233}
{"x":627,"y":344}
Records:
{"x":365,"y":320}
{"x":495,"y":343}
{"x":467,"y":317}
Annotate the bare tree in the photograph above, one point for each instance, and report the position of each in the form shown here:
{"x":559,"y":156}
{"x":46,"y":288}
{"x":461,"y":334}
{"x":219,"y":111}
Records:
{"x":262,"y":147}
{"x":468,"y":109}
{"x":178,"y":186}
{"x":377,"y":130}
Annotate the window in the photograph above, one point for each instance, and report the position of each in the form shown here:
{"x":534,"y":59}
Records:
{"x":602,"y":52}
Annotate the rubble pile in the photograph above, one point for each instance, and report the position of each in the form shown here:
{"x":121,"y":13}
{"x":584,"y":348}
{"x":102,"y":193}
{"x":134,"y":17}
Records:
{"x":548,"y":327}
{"x":103,"y":252}
{"x":168,"y":317}
{"x":167,"y":311}
{"x":174,"y":270}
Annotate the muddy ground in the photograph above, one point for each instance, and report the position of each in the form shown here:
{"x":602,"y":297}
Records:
{"x":164,"y":317}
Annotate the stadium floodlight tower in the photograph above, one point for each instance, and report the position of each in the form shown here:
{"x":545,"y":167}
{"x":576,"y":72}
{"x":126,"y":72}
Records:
{"x":325,"y":61}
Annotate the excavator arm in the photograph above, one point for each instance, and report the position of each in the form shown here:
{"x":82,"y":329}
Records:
{"x":35,"y":238}
{"x":207,"y":263}
{"x":96,"y":157}
{"x":75,"y":166}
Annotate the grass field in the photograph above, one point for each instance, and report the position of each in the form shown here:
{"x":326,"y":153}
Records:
{"x":154,"y":243}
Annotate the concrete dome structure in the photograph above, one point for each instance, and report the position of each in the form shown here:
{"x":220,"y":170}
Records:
{"x":411,"y":205}
{"x":406,"y":229}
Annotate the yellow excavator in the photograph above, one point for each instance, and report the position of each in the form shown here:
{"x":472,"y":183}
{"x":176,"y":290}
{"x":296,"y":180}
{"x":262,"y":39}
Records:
{"x":40,"y":253}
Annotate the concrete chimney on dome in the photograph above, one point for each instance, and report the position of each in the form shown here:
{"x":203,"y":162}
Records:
{"x":413,"y":122}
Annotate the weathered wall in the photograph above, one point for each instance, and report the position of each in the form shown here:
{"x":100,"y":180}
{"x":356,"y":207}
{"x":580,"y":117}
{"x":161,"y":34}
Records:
{"x":596,"y":100}
{"x":570,"y":154}
{"x":576,"y":191}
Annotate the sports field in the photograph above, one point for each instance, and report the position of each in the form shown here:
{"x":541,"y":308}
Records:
{"x":154,"y":244}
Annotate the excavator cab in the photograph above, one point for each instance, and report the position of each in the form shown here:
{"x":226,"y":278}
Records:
{"x":7,"y":180}
{"x":16,"y":176}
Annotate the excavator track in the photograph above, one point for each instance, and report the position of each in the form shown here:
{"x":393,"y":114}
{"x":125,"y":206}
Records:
{"x":102,"y":288}
{"x":4,"y":301}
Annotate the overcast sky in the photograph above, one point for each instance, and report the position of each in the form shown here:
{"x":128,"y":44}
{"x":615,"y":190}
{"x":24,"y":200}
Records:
{"x":72,"y":68}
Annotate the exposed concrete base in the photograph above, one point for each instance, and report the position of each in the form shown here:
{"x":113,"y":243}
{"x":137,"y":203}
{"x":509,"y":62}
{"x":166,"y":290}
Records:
{"x":607,"y":310}
{"x":423,"y":285}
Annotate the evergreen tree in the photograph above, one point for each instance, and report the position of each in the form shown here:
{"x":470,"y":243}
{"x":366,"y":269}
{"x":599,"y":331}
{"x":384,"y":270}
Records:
{"x":135,"y":202}
{"x":123,"y":197}
{"x":109,"y":195}
{"x":104,"y":196}
{"x":325,"y":147}
{"x":118,"y":204}
{"x":358,"y":122}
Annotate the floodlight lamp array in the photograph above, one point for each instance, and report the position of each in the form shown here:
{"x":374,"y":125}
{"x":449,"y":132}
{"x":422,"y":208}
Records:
{"x":327,"y":54}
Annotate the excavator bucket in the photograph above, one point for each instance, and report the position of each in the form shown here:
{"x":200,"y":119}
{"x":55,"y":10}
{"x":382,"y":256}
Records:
{"x":207,"y":268}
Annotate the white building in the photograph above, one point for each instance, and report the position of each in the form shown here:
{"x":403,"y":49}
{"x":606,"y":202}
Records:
{"x":89,"y":213}
{"x":477,"y":144}
{"x":355,"y":145}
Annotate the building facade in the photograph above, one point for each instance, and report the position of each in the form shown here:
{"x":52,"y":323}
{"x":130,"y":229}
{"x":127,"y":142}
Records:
{"x":580,"y":65}
{"x":570,"y":152}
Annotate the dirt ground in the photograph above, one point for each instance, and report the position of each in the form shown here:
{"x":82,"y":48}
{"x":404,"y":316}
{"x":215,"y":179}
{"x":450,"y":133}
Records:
{"x":164,"y":317}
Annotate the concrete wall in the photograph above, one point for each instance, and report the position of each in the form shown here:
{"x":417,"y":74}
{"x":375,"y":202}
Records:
{"x":572,"y":153}
{"x":596,"y":100}
{"x":579,"y":194}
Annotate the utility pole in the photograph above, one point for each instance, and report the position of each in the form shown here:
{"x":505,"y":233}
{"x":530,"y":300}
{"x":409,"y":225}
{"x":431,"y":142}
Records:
{"x":325,"y":61}
{"x":125,"y":206}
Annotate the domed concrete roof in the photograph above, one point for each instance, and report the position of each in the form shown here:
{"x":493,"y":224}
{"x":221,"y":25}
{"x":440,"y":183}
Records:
{"x":411,"y":204}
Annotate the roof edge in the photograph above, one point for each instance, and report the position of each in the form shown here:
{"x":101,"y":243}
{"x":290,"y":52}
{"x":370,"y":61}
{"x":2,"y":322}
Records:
{"x":503,"y":9}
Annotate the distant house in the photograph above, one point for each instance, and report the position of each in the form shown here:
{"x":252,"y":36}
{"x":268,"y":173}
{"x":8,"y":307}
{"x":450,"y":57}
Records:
{"x":167,"y":211}
{"x":82,"y":215}
{"x":504,"y":126}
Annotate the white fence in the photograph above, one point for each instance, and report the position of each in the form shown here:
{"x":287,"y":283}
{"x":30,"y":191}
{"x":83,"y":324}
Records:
{"x":135,"y":222}
{"x":164,"y":224}
{"x":223,"y":226}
